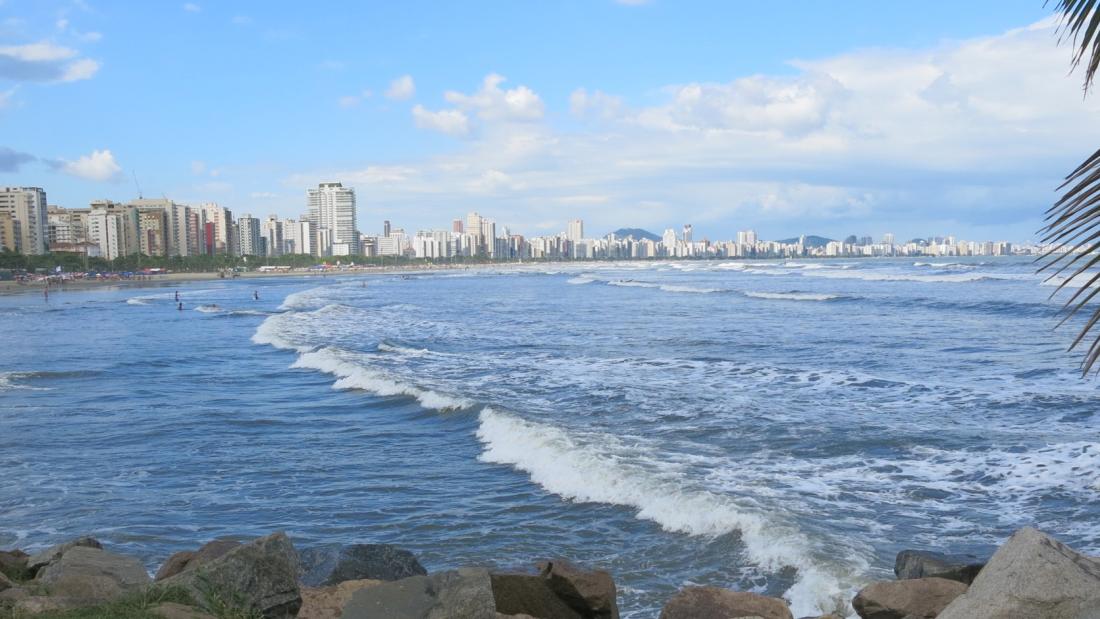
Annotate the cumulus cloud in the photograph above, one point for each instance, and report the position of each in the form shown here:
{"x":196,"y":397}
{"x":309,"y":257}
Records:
{"x":100,"y":165}
{"x":44,"y":62}
{"x":491,"y":102}
{"x":401,"y":89}
{"x":972,"y":134}
{"x":451,"y":122}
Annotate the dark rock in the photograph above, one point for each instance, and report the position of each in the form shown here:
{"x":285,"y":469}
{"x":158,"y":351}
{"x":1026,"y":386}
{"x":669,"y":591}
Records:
{"x":517,"y":594}
{"x":261,"y":575}
{"x":465,"y":593}
{"x":1032,"y":576}
{"x":718,"y":603}
{"x":92,"y":575}
{"x":919,"y":564}
{"x":919,"y":598}
{"x":590,"y":592}
{"x":190,"y":559}
{"x":5,"y":582}
{"x":13,"y":564}
{"x":39,"y":560}
{"x":334,"y":563}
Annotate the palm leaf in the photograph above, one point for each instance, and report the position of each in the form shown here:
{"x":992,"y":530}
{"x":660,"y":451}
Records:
{"x":1072,"y":224}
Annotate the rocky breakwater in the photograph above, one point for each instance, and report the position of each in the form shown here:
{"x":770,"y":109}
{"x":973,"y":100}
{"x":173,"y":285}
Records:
{"x":1032,"y":576}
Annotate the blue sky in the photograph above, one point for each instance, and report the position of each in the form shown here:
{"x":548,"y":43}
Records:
{"x":809,"y":117}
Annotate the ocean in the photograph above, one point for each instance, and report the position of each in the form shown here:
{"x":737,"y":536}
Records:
{"x":784,"y":427}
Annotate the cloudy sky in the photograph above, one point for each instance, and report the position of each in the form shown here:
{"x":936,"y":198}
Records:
{"x":834,"y":118}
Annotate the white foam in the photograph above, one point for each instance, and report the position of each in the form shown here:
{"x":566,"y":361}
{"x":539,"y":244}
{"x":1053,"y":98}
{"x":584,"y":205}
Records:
{"x":792,"y":296}
{"x":604,"y":470}
{"x":137,"y":301}
{"x":690,"y":289}
{"x":208,"y":309}
{"x":581,"y":279}
{"x":8,"y":382}
{"x":304,"y":299}
{"x":352,"y":375}
{"x":403,"y":350}
{"x":629,"y":283}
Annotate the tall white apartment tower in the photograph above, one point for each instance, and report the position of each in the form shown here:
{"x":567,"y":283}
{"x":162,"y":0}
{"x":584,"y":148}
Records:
{"x":332,"y":206}
{"x":575,"y":232}
{"x":26,"y":208}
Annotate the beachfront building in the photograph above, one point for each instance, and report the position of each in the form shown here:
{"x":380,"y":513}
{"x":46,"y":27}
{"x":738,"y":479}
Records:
{"x":249,"y":240}
{"x":216,"y":230}
{"x":331,"y":206}
{"x":27,"y":210}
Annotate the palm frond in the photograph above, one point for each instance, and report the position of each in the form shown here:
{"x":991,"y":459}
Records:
{"x":1073,"y":222}
{"x":1081,"y":25}
{"x":1071,"y":230}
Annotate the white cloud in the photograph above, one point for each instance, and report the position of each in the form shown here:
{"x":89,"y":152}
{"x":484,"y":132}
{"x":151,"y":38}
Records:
{"x":491,"y":102}
{"x":100,"y":165}
{"x":191,"y":7}
{"x":262,"y":194}
{"x":82,"y":69}
{"x":582,"y":104}
{"x":44,"y":62}
{"x":971,"y":134}
{"x":451,"y":122}
{"x":351,"y":101}
{"x":401,"y":89}
{"x":37,"y":52}
{"x":241,"y":20}
{"x":198,"y":167}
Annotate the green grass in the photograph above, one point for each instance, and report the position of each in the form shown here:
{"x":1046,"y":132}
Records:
{"x":140,"y":605}
{"x":137,"y":605}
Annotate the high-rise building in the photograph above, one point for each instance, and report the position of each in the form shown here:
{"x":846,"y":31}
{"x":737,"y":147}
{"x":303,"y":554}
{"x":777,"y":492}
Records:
{"x":456,"y":226}
{"x":27,"y":209}
{"x":108,"y":231}
{"x":7,"y":232}
{"x":747,"y":238}
{"x":332,"y":206}
{"x":888,"y":238}
{"x":217,"y":229}
{"x":575,"y":231}
{"x":272,"y":231}
{"x":687,"y":233}
{"x":248,"y":236}
{"x":386,"y":228}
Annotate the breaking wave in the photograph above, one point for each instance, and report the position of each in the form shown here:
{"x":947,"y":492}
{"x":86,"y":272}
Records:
{"x":596,"y":472}
{"x":793,"y":296}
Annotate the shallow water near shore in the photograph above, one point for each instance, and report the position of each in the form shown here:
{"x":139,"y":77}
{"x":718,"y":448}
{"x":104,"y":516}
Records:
{"x":782,"y":427}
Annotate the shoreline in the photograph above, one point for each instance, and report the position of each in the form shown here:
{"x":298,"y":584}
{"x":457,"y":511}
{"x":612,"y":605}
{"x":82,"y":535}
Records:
{"x":167,"y":279}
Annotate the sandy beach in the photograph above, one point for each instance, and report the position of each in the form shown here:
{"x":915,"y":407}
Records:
{"x":167,"y":279}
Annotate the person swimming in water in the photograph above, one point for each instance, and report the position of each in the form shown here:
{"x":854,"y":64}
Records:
{"x":180,"y":307}
{"x":177,"y":296}
{"x":255,"y":295}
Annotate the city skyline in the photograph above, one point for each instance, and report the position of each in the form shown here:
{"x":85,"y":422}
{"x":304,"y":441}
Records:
{"x":866,"y":117}
{"x":327,"y":229}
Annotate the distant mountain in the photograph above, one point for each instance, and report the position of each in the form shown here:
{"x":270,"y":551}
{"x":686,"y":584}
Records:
{"x":637,"y":233}
{"x":811,"y":241}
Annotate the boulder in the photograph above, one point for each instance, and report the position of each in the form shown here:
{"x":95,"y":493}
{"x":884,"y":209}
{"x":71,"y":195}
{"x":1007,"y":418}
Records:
{"x":91,"y":575}
{"x":5,"y":582}
{"x":38,"y":604}
{"x":261,"y":575}
{"x":718,"y":603}
{"x":919,"y":564}
{"x":328,"y":602}
{"x":524,"y":594}
{"x":13,"y":564}
{"x":39,"y":560}
{"x":334,"y":563}
{"x":171,"y":610}
{"x":919,"y":598}
{"x":189,"y":559}
{"x":465,"y":593}
{"x":1032,"y":576}
{"x":590,"y":592}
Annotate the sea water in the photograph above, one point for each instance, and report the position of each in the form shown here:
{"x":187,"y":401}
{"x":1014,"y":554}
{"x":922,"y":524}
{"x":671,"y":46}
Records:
{"x":784,"y":427}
